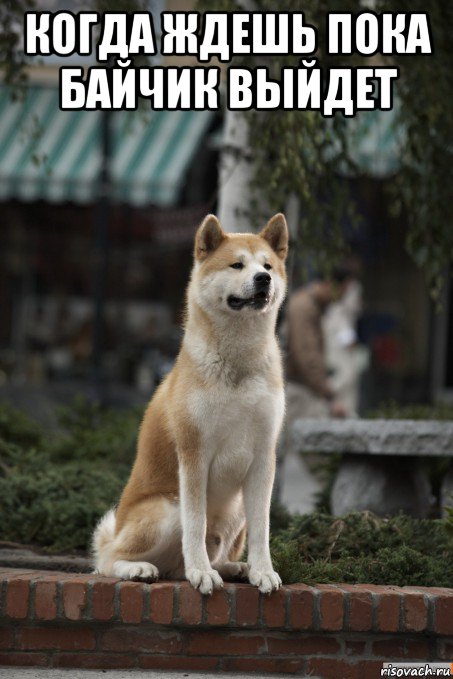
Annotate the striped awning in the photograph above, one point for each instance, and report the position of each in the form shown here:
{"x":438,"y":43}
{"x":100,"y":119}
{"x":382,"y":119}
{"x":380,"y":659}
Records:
{"x":375,"y":141}
{"x":55,"y":155}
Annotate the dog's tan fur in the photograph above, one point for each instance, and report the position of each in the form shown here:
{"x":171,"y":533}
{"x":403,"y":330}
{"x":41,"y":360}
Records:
{"x":206,"y":450}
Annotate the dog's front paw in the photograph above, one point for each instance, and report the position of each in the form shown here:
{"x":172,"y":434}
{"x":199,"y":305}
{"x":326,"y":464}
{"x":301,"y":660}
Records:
{"x":204,"y":580}
{"x":266,"y":580}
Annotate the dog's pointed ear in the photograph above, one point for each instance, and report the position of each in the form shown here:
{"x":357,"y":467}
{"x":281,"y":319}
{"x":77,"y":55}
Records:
{"x":276,"y":234}
{"x":209,"y":236}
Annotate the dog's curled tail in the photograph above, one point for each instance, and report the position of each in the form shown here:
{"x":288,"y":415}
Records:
{"x":103,"y":537}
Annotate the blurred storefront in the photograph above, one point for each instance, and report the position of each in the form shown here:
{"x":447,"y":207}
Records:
{"x":162,"y":179}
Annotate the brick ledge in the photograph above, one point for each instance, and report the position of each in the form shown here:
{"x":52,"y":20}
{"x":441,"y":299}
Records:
{"x":69,"y":620}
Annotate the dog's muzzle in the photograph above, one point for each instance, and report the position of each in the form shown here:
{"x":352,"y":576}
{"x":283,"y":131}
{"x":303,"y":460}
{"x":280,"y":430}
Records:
{"x":260,"y":298}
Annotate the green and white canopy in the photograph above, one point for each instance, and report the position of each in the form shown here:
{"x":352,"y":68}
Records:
{"x":375,"y":142}
{"x":55,"y":155}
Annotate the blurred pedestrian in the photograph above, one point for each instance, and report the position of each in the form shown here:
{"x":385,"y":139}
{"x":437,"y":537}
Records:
{"x":346,"y":358}
{"x":309,"y":391}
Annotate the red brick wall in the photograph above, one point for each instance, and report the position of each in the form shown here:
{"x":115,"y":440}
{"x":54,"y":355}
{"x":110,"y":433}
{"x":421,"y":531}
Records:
{"x":333,"y":631}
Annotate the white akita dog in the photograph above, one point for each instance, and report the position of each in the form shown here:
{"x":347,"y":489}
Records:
{"x":205,"y":462}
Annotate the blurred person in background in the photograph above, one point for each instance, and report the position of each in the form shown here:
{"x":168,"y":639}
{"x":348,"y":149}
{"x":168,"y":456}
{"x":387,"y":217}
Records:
{"x":346,"y":358}
{"x":310,"y":393}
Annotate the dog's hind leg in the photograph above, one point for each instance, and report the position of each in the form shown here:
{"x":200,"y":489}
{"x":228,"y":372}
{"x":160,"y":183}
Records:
{"x":237,"y":548}
{"x":231,"y":547}
{"x":147,"y":542}
{"x":135,"y":570}
{"x":232,"y":568}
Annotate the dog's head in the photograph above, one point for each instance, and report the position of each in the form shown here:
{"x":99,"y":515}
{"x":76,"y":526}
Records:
{"x":240,"y":273}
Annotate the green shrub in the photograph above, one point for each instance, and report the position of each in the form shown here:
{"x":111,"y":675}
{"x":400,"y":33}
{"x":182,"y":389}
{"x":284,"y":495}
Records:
{"x":90,"y":432}
{"x":16,"y":427}
{"x":361,"y":547}
{"x":53,"y":489}
{"x":53,"y":506}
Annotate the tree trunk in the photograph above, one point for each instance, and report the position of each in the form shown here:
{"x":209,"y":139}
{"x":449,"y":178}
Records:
{"x":236,"y":170}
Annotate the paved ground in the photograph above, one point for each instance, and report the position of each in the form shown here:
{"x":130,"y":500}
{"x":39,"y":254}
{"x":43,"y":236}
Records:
{"x":29,"y":673}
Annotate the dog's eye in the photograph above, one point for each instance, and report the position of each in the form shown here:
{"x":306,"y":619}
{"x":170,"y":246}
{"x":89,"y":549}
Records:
{"x":268,"y":267}
{"x":237,"y":265}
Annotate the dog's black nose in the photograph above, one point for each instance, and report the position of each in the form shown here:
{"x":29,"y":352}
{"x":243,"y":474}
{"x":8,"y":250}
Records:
{"x":262,"y":279}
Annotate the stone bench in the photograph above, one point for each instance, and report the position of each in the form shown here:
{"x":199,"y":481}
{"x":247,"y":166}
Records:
{"x":380,"y":470}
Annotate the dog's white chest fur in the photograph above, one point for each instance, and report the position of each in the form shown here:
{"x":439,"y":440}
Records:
{"x":237,"y":419}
